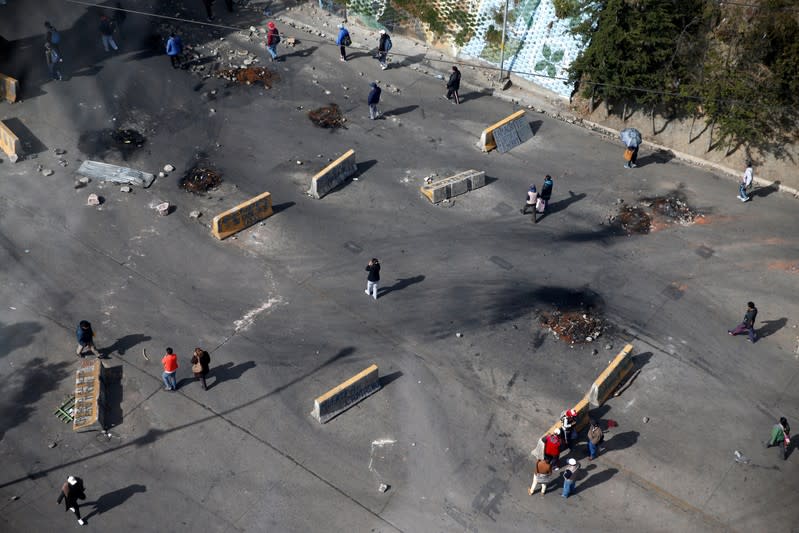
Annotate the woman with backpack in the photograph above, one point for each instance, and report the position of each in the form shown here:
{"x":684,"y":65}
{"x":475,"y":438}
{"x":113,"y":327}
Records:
{"x":343,"y":41}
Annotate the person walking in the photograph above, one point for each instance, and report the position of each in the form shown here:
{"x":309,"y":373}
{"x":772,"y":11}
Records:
{"x":72,"y":491}
{"x":373,"y":99}
{"x":383,"y":46}
{"x":174,"y":47}
{"x":373,"y":278}
{"x":272,"y":39}
{"x":107,"y":33}
{"x":343,"y":41}
{"x":53,"y":37}
{"x":543,"y":198}
{"x":209,"y":9}
{"x":170,"y":363}
{"x":748,"y":325}
{"x":569,"y":477}
{"x":780,"y":436}
{"x":595,"y":438}
{"x":85,"y":336}
{"x":746,"y":183}
{"x":53,"y":59}
{"x":453,"y":84}
{"x":532,"y":197}
{"x":542,"y":476}
{"x":200,"y":365}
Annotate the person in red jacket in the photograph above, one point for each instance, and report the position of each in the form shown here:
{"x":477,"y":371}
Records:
{"x":272,"y":40}
{"x":170,"y":362}
{"x":552,"y":447}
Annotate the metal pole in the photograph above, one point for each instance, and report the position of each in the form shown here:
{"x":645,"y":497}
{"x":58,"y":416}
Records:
{"x":502,"y":45}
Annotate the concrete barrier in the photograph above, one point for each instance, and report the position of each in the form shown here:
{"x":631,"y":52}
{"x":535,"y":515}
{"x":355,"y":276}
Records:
{"x":340,"y":398}
{"x":611,"y":377}
{"x":89,"y":410}
{"x":512,"y":124}
{"x":9,"y":142}
{"x":9,"y":88}
{"x":242,"y":216}
{"x":333,"y":175}
{"x":460,"y":183}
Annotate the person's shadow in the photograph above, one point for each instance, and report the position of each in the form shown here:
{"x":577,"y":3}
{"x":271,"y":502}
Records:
{"x":560,"y":205}
{"x":620,"y":441}
{"x":108,"y":501}
{"x":596,"y":479}
{"x":227,"y":372}
{"x":125,"y":343}
{"x":771,"y":327}
{"x":400,"y":284}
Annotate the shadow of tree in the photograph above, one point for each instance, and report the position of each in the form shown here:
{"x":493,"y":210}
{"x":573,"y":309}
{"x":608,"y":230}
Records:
{"x":23,"y":388}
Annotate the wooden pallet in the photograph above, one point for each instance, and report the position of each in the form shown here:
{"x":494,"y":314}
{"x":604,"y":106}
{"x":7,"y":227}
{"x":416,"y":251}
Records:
{"x":63,"y":413}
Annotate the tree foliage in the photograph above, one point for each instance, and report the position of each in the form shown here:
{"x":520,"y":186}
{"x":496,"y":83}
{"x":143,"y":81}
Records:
{"x":736,"y":66}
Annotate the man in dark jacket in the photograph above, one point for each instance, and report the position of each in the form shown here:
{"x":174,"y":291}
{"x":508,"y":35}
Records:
{"x":373,"y":99}
{"x":383,"y":46}
{"x":373,"y":278}
{"x":52,"y":58}
{"x":107,"y":33}
{"x":71,"y":492}
{"x":453,"y":84}
{"x":748,"y":325}
{"x":85,"y":337}
{"x":543,"y":198}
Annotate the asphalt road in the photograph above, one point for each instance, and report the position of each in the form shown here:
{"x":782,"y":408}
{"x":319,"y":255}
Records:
{"x":282,"y":309}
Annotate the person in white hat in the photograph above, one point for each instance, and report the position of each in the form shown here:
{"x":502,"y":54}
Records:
{"x":71,"y":492}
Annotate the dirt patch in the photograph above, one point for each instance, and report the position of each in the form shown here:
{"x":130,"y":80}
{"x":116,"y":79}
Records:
{"x":249,"y":76}
{"x":329,"y":116}
{"x":200,"y":179}
{"x":574,"y":327}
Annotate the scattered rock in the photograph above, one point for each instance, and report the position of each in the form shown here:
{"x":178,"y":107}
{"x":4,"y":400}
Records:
{"x":47,"y":172}
{"x":646,"y":419}
{"x":93,"y":200}
{"x":594,"y":351}
{"x":608,"y":346}
{"x":382,"y":488}
{"x":195,"y":214}
{"x":52,"y":445}
{"x":299,"y":162}
{"x":59,"y":151}
{"x":84,"y":180}
{"x":169,"y":168}
{"x":161,"y":174}
{"x":125,"y":188}
{"x":13,"y":158}
{"x":14,"y":498}
{"x":63,"y":162}
{"x":459,"y":334}
{"x":162,"y":208}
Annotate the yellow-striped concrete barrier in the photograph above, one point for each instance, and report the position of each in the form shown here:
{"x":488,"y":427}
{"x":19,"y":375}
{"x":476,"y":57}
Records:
{"x":242,"y":216}
{"x":343,"y":396}
{"x":333,"y":174}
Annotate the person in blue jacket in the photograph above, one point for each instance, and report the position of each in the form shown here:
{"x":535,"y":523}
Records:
{"x":174,"y":47}
{"x":343,"y":41}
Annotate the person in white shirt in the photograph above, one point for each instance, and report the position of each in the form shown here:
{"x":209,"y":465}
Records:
{"x":746,"y":183}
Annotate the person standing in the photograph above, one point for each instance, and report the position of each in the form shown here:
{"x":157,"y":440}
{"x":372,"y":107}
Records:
{"x":746,"y":183}
{"x":53,"y":37}
{"x":383,"y":47}
{"x":595,"y":438}
{"x":569,"y":477}
{"x":343,"y":41}
{"x":568,"y":422}
{"x":373,"y":278}
{"x":52,"y":58}
{"x":174,"y":47}
{"x":170,"y":362}
{"x":552,"y":447}
{"x":85,"y":336}
{"x":209,"y":9}
{"x":72,"y":491}
{"x":780,"y":436}
{"x":631,"y":152}
{"x":200,"y":365}
{"x":453,"y":84}
{"x":532,"y":196}
{"x":272,"y":39}
{"x":373,"y":99}
{"x":748,"y":325}
{"x":542,"y":476}
{"x":543,"y":198}
{"x":107,"y":33}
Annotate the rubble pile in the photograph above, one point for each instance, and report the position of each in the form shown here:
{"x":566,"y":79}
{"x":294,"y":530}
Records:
{"x":632,"y":219}
{"x":672,"y":207}
{"x":200,"y":179}
{"x":329,"y":116}
{"x":249,"y":75}
{"x":573,"y":327}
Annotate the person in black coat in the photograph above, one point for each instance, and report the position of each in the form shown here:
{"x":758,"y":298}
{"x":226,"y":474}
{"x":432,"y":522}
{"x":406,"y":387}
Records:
{"x":543,"y":198}
{"x":373,"y":278}
{"x":72,"y":491}
{"x":453,"y":84}
{"x":373,"y":99}
{"x":201,"y":361}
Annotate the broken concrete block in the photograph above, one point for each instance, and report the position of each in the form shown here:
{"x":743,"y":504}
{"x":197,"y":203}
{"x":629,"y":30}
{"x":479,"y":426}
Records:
{"x":162,"y":208}
{"x":195,"y":214}
{"x":125,"y":188}
{"x":93,"y":200}
{"x":168,"y":168}
{"x":47,"y":172}
{"x":115,"y":174}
